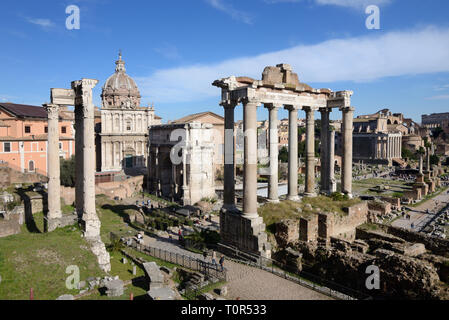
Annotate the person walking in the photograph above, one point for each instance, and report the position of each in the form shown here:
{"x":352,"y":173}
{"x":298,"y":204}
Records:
{"x":214,"y":258}
{"x":222,"y":263}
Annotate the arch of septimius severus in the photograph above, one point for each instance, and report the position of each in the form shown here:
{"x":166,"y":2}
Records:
{"x":279,"y":88}
{"x":80,"y":96}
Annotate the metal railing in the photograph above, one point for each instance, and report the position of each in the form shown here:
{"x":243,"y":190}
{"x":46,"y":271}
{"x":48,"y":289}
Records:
{"x":303,"y":278}
{"x":195,"y":264}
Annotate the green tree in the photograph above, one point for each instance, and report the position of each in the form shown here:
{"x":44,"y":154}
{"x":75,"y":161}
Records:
{"x":283,"y":155}
{"x":68,"y":172}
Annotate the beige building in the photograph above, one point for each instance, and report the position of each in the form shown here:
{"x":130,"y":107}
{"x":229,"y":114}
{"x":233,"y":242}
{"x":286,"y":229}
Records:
{"x":124,"y":124}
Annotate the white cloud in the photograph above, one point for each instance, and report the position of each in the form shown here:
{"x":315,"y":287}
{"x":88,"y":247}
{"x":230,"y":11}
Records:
{"x":341,"y":3}
{"x":441,"y":97}
{"x":353,"y":3}
{"x":168,"y":51}
{"x":45,"y":23}
{"x":230,"y":10}
{"x":353,"y":59}
{"x":442,"y":87}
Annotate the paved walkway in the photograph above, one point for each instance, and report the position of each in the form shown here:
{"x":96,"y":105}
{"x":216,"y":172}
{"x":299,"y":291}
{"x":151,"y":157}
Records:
{"x":419,"y":217}
{"x":245,"y":282}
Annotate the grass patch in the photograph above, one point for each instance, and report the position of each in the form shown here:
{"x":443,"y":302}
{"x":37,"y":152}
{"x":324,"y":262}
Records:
{"x":39,"y":261}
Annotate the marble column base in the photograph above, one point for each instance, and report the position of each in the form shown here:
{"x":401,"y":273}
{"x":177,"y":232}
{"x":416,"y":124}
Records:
{"x":245,"y":233}
{"x":310,"y":195}
{"x":53,"y":224}
{"x":294,"y":198}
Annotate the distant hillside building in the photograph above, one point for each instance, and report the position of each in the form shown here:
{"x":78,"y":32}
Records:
{"x":434,"y":120}
{"x":23,"y":137}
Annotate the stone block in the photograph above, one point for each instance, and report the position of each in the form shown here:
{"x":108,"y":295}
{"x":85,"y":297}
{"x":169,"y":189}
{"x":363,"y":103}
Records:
{"x":114,"y":288}
{"x":161,"y":294}
{"x":66,"y":297}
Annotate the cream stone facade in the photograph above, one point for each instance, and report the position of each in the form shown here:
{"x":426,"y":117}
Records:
{"x":181,"y":162}
{"x":124,"y":124}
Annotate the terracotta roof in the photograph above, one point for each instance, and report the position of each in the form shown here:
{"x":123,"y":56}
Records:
{"x":192,"y":117}
{"x":24,"y":111}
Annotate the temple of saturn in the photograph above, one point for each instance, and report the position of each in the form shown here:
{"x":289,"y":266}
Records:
{"x":279,"y":88}
{"x":80,"y":96}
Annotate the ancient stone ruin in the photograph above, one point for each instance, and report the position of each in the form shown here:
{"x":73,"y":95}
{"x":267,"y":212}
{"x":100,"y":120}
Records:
{"x":80,"y":95}
{"x":279,"y":88}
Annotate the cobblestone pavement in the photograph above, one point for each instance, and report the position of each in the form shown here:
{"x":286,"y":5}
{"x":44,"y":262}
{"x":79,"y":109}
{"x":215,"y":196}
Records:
{"x":418,"y":215}
{"x":248,"y":283}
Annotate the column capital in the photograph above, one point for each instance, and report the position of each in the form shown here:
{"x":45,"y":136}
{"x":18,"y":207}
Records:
{"x":52,"y":111}
{"x":247,"y":100}
{"x":309,"y":109}
{"x":229,"y":104}
{"x":291,"y":107}
{"x":347,"y":109}
{"x":271,"y":106}
{"x":325,"y":110}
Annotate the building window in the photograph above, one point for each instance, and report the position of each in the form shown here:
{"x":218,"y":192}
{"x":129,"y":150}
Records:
{"x":31,"y":166}
{"x":60,"y":146}
{"x":64,"y":129}
{"x":7,"y":147}
{"x":128,"y":126}
{"x":27,"y":129}
{"x":46,"y":130}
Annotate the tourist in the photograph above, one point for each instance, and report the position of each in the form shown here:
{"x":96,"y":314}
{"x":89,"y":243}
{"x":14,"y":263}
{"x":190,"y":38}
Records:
{"x":214,"y":257}
{"x":222,"y":263}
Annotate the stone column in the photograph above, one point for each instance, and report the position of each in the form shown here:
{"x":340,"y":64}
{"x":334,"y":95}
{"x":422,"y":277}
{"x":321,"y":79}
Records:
{"x":428,"y":159}
{"x":310,"y":152}
{"x":229,"y":158}
{"x":292,"y":153}
{"x":331,"y":163}
{"x":346,"y":129}
{"x":250,"y":159}
{"x":273,"y":195}
{"x":84,"y":105}
{"x":54,"y":183}
{"x":79,"y":162}
{"x":324,"y":185}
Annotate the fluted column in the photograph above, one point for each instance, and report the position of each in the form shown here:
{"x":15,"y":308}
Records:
{"x":310,"y":152}
{"x":273,"y":195}
{"x":250,"y":159}
{"x":347,"y":128}
{"x":54,"y":182}
{"x":229,"y":157}
{"x":292,"y":153}
{"x":324,"y":185}
{"x":84,"y":104}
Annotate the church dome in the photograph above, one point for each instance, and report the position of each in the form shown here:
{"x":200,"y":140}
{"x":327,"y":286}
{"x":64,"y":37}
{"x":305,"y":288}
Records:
{"x":120,"y":90}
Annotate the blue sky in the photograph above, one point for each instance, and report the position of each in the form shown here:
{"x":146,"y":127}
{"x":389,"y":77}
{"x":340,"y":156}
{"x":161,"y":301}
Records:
{"x":175,"y":49}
